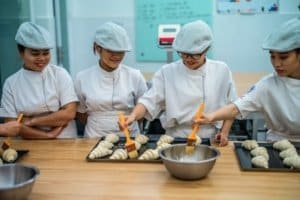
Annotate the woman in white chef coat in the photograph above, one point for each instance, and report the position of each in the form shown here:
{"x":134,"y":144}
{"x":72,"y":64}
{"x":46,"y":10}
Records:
{"x":180,"y":87}
{"x":43,"y":92}
{"x":109,"y":86}
{"x":276,"y":96}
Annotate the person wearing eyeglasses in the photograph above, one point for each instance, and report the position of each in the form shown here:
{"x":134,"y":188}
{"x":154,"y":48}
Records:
{"x":178,"y":88}
{"x":276,"y":96}
{"x":43,"y":92}
{"x":109,"y":86}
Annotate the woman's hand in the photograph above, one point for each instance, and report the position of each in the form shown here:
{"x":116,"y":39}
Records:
{"x":221,"y":139}
{"x":204,"y":119}
{"x":55,"y":132}
{"x":11,"y":128}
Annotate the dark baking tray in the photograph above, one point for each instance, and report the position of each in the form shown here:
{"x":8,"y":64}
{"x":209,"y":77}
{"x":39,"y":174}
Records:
{"x":21,"y":153}
{"x":275,"y":161}
{"x":151,"y":144}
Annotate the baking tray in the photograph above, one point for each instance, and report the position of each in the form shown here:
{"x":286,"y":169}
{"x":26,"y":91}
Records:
{"x":151,"y":144}
{"x":21,"y":153}
{"x":275,"y":161}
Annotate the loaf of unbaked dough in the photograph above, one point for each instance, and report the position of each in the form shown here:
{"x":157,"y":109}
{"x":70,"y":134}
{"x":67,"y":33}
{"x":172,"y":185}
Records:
{"x":165,"y":139}
{"x":112,"y":138}
{"x":142,"y":139}
{"x":149,"y":154}
{"x":119,"y":154}
{"x":10,"y":155}
{"x":99,"y":152}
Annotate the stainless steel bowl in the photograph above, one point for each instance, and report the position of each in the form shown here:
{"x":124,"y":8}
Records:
{"x":16,"y":180}
{"x":189,"y":166}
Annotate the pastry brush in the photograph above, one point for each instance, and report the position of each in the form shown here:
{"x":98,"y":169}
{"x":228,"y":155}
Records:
{"x":129,"y":145}
{"x":191,"y":140}
{"x":7,"y":142}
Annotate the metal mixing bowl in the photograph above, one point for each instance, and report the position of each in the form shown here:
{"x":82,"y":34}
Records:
{"x":189,"y":166}
{"x":16,"y":180}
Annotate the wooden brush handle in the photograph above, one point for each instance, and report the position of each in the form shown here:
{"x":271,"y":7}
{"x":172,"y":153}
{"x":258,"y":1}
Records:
{"x":20,"y":117}
{"x":200,"y":110}
{"x":125,"y":129}
{"x":198,"y":115}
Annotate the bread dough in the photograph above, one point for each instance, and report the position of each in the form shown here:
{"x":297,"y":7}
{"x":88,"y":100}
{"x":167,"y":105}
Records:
{"x":165,"y":139}
{"x":112,"y":138}
{"x":149,"y":154}
{"x":10,"y":155}
{"x":249,"y":144}
{"x":293,"y":161}
{"x":260,"y":161}
{"x":142,"y":139}
{"x":260,"y":151}
{"x":119,"y":154}
{"x":282,"y":145}
{"x":99,"y":152}
{"x":288,"y":153}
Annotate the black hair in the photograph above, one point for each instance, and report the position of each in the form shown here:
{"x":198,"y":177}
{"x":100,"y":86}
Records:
{"x":21,"y":48}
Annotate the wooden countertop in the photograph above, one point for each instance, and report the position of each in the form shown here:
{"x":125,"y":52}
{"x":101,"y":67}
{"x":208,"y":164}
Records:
{"x":65,"y":174}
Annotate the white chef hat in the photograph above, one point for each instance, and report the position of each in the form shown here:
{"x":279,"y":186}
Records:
{"x":193,"y":38}
{"x":285,"y":38}
{"x":33,"y":36}
{"x":113,"y":37}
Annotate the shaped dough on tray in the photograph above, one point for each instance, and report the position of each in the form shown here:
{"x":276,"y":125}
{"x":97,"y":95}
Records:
{"x":149,"y":154}
{"x":282,"y":145}
{"x":249,"y":144}
{"x":162,"y":146}
{"x":165,"y":139}
{"x":9,"y":155}
{"x":288,"y":152}
{"x":119,"y":154}
{"x":142,"y":139}
{"x":105,"y":144}
{"x":112,"y":138}
{"x":260,"y":151}
{"x":137,"y":145}
{"x":260,"y":161}
{"x":99,"y":152}
{"x":293,"y":161}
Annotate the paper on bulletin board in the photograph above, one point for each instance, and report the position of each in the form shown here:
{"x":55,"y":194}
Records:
{"x":247,"y":6}
{"x":150,"y":13}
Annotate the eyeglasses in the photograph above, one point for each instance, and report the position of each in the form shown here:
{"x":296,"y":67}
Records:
{"x":186,"y":55}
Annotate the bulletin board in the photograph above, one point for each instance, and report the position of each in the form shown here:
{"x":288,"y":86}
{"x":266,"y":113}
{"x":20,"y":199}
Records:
{"x":150,"y":13}
{"x":247,"y":6}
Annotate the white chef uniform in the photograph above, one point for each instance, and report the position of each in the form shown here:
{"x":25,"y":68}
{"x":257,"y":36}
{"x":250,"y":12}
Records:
{"x":179,"y":91}
{"x":278,"y":99}
{"x":37,"y":93}
{"x":103,"y":94}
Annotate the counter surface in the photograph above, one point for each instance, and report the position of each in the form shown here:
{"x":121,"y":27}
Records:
{"x":65,"y":174}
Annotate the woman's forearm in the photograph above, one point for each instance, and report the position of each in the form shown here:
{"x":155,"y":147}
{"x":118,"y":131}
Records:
{"x":139,"y":111}
{"x":58,"y":118}
{"x":225,"y":113}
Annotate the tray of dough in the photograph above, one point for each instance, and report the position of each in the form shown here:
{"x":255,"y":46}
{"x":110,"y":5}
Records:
{"x":147,"y":152}
{"x":265,"y":156}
